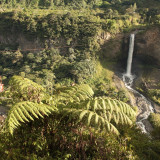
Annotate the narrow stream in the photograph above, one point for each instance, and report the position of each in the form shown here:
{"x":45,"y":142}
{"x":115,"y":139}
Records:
{"x":145,"y":107}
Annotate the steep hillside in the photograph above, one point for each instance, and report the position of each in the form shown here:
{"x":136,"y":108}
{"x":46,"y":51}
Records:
{"x":62,"y":63}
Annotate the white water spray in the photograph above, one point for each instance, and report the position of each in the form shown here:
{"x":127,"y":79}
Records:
{"x":130,"y":55}
{"x":143,"y":104}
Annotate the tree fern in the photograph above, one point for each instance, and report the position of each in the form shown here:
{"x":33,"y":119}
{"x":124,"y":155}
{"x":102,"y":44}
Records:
{"x":25,"y":89}
{"x":24,"y":83}
{"x":102,"y":111}
{"x":26,"y":111}
{"x":74,"y":93}
{"x":77,"y":101}
{"x":94,"y":120}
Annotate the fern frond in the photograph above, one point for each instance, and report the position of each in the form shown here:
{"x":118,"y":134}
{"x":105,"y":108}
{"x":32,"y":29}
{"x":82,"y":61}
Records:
{"x":102,"y":111}
{"x":105,"y":104}
{"x":23,"y":84}
{"x":83,"y":114}
{"x":26,"y":89}
{"x":95,"y":104}
{"x":93,"y":120}
{"x":125,"y":108}
{"x":74,"y":93}
{"x":90,"y":117}
{"x":26,"y":111}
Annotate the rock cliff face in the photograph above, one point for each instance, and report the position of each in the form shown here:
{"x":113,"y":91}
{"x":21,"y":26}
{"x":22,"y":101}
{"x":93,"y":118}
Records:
{"x":147,"y":57}
{"x":18,"y":40}
{"x":147,"y":45}
{"x":113,"y":47}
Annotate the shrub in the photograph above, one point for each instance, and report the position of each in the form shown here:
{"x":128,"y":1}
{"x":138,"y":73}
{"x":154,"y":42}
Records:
{"x":155,"y":121}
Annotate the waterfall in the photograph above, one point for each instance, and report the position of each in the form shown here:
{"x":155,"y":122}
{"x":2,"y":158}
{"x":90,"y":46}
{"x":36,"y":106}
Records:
{"x":145,"y":106}
{"x":130,"y":55}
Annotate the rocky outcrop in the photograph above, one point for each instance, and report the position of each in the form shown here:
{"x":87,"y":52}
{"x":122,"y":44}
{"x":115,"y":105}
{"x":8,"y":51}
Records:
{"x":102,"y":37}
{"x":112,"y":48}
{"x":147,"y":45}
{"x":18,"y":40}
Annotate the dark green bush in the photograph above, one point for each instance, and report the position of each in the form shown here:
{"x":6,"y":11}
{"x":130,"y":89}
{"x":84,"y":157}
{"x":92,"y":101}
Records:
{"x":155,"y":121}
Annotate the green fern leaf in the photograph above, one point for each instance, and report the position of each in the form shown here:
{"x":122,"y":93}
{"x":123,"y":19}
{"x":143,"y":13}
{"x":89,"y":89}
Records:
{"x":88,"y":104}
{"x":110,"y":106}
{"x":18,"y":116}
{"x":25,"y":111}
{"x":95,"y":104}
{"x":96,"y":118}
{"x":90,"y":117}
{"x":75,"y":93}
{"x":22,"y":114}
{"x":104,"y":104}
{"x":83,"y":114}
{"x":102,"y":111}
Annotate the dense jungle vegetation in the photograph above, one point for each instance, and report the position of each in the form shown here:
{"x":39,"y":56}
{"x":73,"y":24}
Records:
{"x":62,"y":101}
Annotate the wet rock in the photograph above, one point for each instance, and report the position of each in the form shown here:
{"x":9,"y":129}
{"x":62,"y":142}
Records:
{"x":148,"y":125}
{"x":156,"y":108}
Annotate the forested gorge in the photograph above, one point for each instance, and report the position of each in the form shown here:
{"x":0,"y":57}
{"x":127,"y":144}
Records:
{"x":60,"y":63}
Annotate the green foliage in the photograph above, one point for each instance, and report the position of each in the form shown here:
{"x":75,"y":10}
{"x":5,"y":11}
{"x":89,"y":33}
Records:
{"x":75,"y":126}
{"x":104,"y":87}
{"x":78,"y":129}
{"x":26,"y":111}
{"x":23,"y":89}
{"x":54,"y":27}
{"x":74,"y":93}
{"x":60,"y":139}
{"x":110,"y":9}
{"x":102,"y":112}
{"x":155,"y":95}
{"x":73,"y":35}
{"x":82,"y":70}
{"x":155,"y":121}
{"x":142,"y":145}
{"x":75,"y":100}
{"x":51,"y":3}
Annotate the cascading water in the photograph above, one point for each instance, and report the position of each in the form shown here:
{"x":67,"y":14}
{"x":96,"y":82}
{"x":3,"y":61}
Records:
{"x":128,"y":77}
{"x":130,"y":55}
{"x":145,"y":107}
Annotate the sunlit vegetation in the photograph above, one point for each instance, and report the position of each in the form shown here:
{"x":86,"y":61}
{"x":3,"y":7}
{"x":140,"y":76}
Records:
{"x":155,"y":120}
{"x":70,"y":126}
{"x":154,"y":95}
{"x":60,"y":93}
